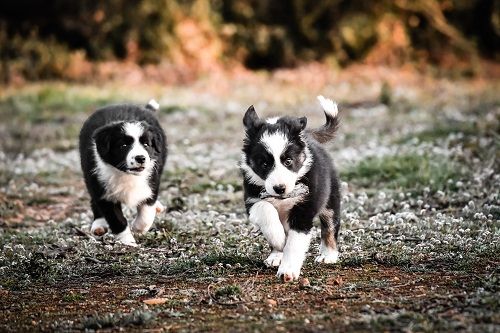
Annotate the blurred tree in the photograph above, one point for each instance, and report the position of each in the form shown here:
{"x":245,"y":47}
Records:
{"x":42,"y":39}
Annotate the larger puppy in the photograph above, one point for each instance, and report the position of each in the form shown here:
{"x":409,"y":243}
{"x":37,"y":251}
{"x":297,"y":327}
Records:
{"x":123,"y":150}
{"x":289,"y":179}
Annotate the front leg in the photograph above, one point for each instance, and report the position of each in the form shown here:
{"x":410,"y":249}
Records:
{"x":113,"y":214}
{"x":265,"y":217}
{"x":146,"y":216}
{"x":274,"y":259}
{"x":294,"y":255}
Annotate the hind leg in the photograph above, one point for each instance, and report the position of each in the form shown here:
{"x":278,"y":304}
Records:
{"x":328,"y":252}
{"x":330,"y":225}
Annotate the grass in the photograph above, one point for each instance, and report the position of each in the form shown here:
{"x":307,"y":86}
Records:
{"x":409,"y":172}
{"x":50,"y":103}
{"x":228,"y":291}
{"x":442,"y":130}
{"x":117,"y":320}
{"x":73,"y":298}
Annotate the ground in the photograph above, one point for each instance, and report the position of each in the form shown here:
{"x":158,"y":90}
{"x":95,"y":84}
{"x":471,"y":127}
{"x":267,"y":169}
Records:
{"x":419,"y":163}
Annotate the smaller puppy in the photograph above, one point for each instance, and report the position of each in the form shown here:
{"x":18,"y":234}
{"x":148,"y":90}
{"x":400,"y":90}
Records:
{"x":289,"y":179}
{"x":123,"y":150}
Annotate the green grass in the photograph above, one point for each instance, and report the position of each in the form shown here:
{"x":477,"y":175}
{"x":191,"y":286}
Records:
{"x":440,"y":131}
{"x":228,"y":291}
{"x":408,"y":172}
{"x":135,"y":318}
{"x":49,"y":104}
{"x":71,"y":298}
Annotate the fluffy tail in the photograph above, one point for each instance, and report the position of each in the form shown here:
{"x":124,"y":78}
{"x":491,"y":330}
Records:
{"x":327,"y":132}
{"x":153,"y":105}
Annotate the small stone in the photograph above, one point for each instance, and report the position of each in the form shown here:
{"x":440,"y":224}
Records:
{"x":304,"y":283}
{"x":271,"y":302}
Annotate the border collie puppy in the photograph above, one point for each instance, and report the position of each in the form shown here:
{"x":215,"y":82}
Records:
{"x":289,"y":179}
{"x":123,"y":150}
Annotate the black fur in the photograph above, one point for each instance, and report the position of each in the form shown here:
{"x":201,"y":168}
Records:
{"x":321,"y":179}
{"x":104,"y":128}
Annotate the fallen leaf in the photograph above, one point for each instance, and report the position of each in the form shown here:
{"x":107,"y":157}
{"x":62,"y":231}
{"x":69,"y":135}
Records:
{"x":155,"y":301}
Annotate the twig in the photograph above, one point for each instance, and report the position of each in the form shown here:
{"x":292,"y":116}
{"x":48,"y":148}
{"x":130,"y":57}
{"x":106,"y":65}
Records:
{"x":344,"y":297}
{"x":80,"y":232}
{"x":97,"y":261}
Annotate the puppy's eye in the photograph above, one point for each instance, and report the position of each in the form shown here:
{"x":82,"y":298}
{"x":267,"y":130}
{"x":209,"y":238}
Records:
{"x":124,"y":145}
{"x":264,"y":165}
{"x":145,"y":144}
{"x":288,"y":162}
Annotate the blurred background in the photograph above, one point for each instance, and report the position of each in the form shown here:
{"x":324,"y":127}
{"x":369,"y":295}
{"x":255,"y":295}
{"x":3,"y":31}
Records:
{"x":179,"y":40}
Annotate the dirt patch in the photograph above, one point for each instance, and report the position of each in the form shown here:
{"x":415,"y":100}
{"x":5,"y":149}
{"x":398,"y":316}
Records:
{"x":337,"y":299}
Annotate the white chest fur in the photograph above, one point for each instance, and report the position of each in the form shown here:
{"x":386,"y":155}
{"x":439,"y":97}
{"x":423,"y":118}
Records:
{"x":122,"y":187}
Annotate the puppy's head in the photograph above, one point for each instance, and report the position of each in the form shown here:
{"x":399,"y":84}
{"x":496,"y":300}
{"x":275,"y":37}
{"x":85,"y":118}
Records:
{"x":275,"y":154}
{"x":131,"y":147}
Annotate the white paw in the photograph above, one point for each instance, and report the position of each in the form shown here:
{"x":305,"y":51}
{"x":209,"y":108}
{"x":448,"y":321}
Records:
{"x":99,"y":227}
{"x":145,"y":218}
{"x":125,"y":237}
{"x":288,"y":271}
{"x":159,"y":207}
{"x":330,"y":257}
{"x":140,"y":226}
{"x":274,"y":259}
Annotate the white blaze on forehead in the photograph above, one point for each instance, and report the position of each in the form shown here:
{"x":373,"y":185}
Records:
{"x":134,"y":130}
{"x":275,"y":143}
{"x":272,"y":120}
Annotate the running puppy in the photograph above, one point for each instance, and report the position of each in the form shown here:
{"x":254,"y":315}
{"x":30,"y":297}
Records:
{"x":123,"y":150}
{"x":289,"y":179}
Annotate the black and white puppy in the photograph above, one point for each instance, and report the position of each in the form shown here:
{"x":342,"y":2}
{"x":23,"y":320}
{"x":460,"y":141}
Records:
{"x":289,"y":179}
{"x":123,"y":150}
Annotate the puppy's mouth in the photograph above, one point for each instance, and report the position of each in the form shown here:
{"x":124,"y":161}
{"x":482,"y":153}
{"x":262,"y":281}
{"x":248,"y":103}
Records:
{"x":136,"y":170}
{"x":299,"y":190}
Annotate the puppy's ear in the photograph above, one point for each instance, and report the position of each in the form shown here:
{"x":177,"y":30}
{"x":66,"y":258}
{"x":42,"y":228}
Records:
{"x":156,"y":141}
{"x":302,"y":123}
{"x":154,"y":137}
{"x":251,"y":119}
{"x":299,"y":124}
{"x":102,"y":139}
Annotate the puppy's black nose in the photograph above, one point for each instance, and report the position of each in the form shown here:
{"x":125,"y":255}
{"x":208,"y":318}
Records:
{"x":140,"y":159}
{"x":279,"y":189}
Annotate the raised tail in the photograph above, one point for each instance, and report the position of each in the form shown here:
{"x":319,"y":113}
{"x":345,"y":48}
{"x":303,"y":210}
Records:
{"x":326,"y":132}
{"x":153,"y":105}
